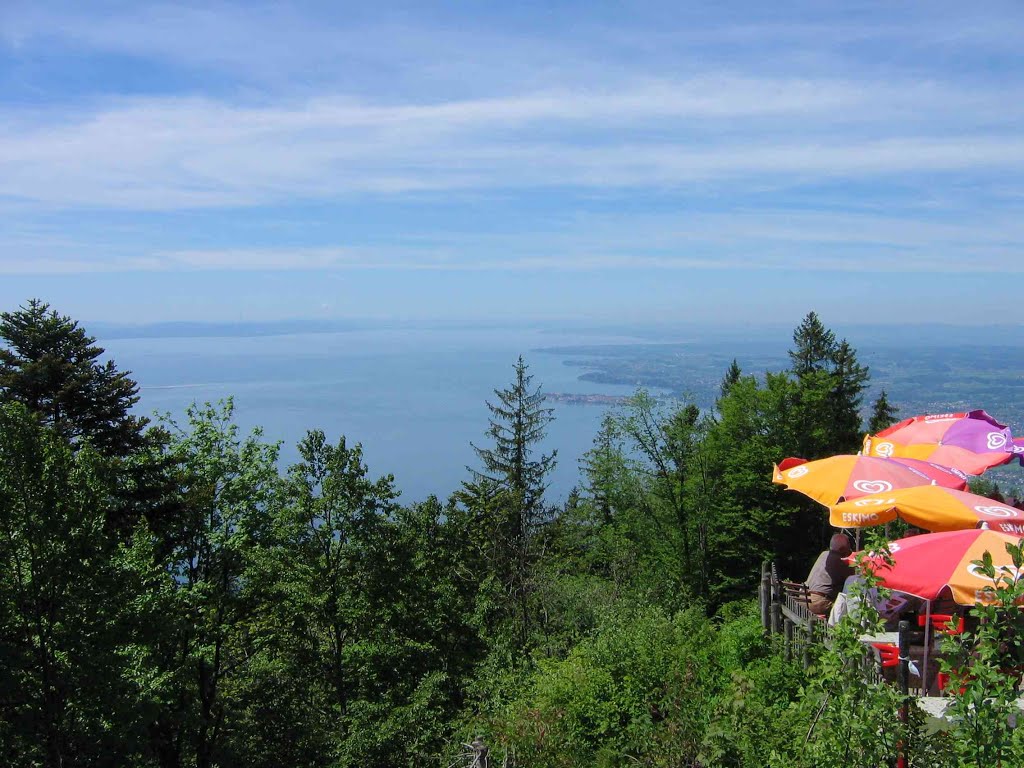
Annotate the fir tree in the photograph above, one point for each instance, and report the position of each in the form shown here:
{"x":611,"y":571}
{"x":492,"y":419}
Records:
{"x":849,"y":379}
{"x":606,"y":470}
{"x":814,"y":345}
{"x":518,"y":422}
{"x":508,"y":492}
{"x":830,"y":385}
{"x":883,"y":414}
{"x":732,"y":375}
{"x":51,"y":365}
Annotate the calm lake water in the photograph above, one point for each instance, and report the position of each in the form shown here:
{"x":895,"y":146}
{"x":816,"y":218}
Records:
{"x":413,"y":398}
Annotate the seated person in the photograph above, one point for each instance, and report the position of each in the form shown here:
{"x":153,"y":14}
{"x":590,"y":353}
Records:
{"x":889,"y":609}
{"x":828,"y":575}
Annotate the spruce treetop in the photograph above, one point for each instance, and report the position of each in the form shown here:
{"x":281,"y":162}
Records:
{"x":518,"y":421}
{"x":813,"y":345}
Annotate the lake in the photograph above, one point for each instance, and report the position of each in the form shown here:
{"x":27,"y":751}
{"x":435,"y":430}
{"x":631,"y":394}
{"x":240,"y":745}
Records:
{"x":415,"y":399}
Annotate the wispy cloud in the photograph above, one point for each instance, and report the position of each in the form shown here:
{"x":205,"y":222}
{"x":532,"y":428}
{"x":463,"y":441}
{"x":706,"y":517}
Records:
{"x":161,"y":154}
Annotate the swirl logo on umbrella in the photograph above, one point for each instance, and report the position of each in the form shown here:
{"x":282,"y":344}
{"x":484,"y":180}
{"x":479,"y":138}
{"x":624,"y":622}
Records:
{"x":873,"y":502}
{"x":996,"y":441}
{"x":996,"y":511}
{"x":796,"y":472}
{"x":885,"y":450}
{"x":872,"y":486}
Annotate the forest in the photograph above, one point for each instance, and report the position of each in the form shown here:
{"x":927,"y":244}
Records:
{"x":171,"y":596}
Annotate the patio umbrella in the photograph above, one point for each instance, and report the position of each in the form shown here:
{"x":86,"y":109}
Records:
{"x":928,"y":564}
{"x":841,"y":478}
{"x":971,"y":442}
{"x":930,"y":507}
{"x":925,"y":565}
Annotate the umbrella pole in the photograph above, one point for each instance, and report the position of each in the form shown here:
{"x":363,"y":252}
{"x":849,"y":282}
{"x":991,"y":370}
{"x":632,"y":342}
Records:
{"x":927,"y":646}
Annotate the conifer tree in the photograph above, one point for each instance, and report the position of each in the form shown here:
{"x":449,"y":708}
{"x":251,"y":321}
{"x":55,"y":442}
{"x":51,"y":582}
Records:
{"x":518,"y":422}
{"x":849,"y":380}
{"x":732,"y":375}
{"x":606,"y":470}
{"x":508,"y":492}
{"x":52,"y":366}
{"x":830,"y":385}
{"x":883,"y":414}
{"x":813,"y":346}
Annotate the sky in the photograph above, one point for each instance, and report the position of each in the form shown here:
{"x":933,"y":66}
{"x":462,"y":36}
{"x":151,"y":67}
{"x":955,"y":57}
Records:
{"x":586,"y":161}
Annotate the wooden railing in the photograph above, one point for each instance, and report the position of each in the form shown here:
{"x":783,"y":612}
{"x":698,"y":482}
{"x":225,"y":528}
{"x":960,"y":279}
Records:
{"x":786,"y":610}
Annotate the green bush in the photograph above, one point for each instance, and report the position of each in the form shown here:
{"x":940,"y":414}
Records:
{"x":652,"y":689}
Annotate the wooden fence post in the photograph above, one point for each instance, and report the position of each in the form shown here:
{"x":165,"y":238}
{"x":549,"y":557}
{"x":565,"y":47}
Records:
{"x":765,"y":594}
{"x":481,"y":757}
{"x":903,"y":671}
{"x":808,"y":641}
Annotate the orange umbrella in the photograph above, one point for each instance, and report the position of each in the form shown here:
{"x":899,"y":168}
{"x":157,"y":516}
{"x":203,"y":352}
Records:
{"x":840,"y":478}
{"x":930,"y":507}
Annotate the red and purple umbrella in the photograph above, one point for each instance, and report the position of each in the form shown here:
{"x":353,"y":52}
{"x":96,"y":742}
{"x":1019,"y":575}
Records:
{"x":971,"y":442}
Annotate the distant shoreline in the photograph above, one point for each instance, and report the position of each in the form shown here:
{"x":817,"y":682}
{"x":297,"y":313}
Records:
{"x":573,"y":398}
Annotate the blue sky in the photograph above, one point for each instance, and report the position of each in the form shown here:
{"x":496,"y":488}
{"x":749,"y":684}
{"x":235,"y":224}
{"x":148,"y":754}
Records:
{"x":704,"y":162}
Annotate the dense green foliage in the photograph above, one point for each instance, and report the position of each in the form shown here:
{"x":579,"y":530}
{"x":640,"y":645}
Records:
{"x":173,"y":597}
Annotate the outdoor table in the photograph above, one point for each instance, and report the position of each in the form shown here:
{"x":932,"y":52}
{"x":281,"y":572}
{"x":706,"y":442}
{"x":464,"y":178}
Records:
{"x":891,"y":638}
{"x":935,"y":707}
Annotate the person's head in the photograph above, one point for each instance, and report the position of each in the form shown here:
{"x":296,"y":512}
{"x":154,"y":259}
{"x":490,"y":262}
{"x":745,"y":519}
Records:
{"x":840,"y":544}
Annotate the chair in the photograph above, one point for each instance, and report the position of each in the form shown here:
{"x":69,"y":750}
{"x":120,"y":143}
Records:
{"x":941,"y":622}
{"x":889,"y":657}
{"x":888,"y":654}
{"x":942,"y":680}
